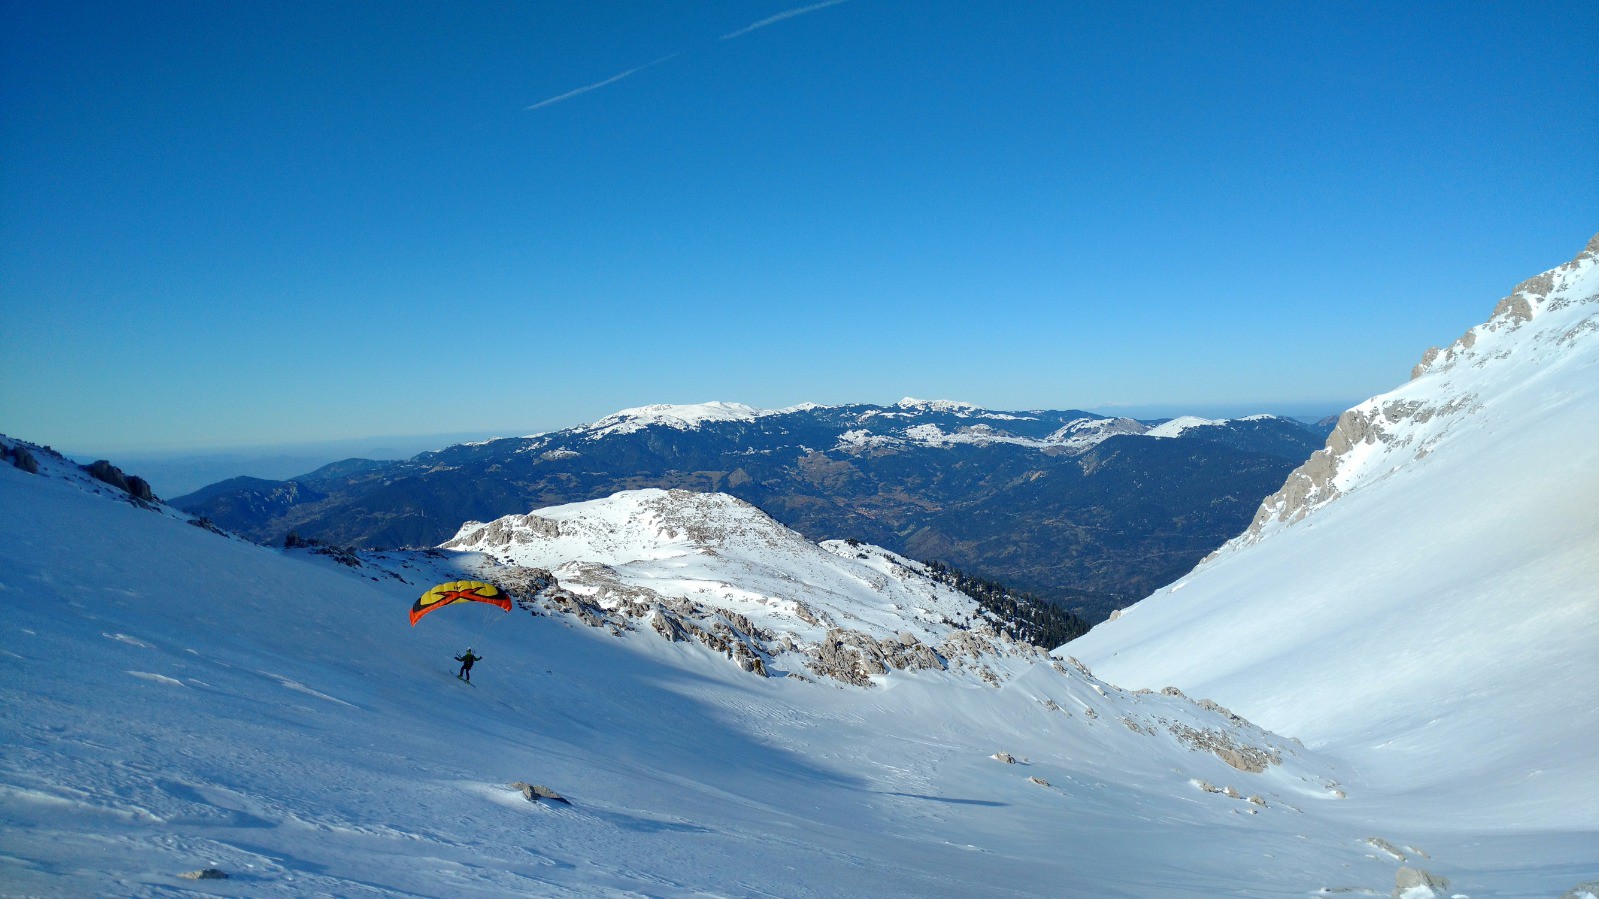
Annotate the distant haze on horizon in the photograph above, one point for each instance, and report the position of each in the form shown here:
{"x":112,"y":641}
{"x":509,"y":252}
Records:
{"x":264,"y":226}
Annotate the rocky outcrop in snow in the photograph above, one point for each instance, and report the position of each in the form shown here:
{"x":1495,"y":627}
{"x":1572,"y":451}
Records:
{"x":136,"y":487}
{"x":712,"y":569}
{"x":20,"y":458}
{"x":1417,"y":883}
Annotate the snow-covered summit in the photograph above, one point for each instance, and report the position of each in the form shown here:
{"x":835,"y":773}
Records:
{"x":1092,"y":431}
{"x":1185,"y":424}
{"x":674,"y":555}
{"x":680,"y":417}
{"x":1177,"y":426}
{"x":954,"y":407}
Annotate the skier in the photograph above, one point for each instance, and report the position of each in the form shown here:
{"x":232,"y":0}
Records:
{"x":466,"y":664}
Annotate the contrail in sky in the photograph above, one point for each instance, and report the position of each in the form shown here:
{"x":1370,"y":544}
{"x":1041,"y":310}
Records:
{"x":611,"y":80}
{"x":770,"y":20}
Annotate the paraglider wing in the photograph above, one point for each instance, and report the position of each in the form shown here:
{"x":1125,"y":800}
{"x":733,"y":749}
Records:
{"x":458,"y":591}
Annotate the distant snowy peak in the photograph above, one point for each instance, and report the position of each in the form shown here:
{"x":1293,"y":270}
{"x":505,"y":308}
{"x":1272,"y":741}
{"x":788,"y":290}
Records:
{"x":911,"y":402}
{"x":1086,"y":433}
{"x":680,"y":417}
{"x":680,"y":562}
{"x":1180,"y":426}
{"x":956,"y":408}
{"x":1177,"y":426}
{"x":1547,"y":323}
{"x":690,"y":416}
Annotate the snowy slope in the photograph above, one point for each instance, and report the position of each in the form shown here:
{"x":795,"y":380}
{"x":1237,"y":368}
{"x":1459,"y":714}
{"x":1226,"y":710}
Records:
{"x":173,"y":699}
{"x":1421,"y":598}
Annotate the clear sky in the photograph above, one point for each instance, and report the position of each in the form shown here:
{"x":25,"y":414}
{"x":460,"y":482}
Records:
{"x":228,"y":223}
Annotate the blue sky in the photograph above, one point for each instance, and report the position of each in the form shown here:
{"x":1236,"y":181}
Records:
{"x":230,"y":224}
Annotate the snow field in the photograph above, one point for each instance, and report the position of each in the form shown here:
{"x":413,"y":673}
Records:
{"x":175,"y":700}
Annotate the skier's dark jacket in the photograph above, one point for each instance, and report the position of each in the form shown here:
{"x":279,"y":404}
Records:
{"x":467,"y":660}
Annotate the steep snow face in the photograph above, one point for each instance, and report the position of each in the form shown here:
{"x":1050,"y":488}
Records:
{"x":1421,"y":595}
{"x":711,"y":559}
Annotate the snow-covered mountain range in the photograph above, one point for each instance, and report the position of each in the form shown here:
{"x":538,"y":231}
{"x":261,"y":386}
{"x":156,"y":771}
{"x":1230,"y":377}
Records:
{"x":1087,"y":510}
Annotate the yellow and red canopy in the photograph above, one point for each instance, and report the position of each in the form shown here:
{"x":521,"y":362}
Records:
{"x":458,"y":591}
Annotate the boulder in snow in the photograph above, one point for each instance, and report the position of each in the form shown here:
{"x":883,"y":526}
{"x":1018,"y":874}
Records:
{"x":536,"y":792}
{"x":1416,"y":883}
{"x":1385,"y":846}
{"x":110,"y":474}
{"x":22,"y":459}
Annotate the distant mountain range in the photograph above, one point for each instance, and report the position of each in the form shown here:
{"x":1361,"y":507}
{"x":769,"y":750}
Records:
{"x":1089,"y":511}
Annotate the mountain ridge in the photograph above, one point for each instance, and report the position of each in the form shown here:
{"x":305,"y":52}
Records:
{"x":1110,"y":511}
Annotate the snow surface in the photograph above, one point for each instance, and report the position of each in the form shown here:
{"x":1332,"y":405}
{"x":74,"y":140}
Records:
{"x":174,"y":699}
{"x":1430,"y":615}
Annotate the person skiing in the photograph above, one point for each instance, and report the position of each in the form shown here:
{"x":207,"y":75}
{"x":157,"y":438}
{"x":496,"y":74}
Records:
{"x":466,"y":664}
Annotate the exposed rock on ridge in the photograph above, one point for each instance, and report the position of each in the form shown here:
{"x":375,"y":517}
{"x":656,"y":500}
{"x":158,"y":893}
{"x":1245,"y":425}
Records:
{"x":1375,"y":437}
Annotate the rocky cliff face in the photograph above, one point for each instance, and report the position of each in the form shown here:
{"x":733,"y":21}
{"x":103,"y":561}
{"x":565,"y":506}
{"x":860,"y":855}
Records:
{"x":1542,"y":318}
